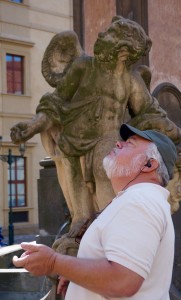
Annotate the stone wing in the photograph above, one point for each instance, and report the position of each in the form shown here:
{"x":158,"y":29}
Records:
{"x":62,"y":50}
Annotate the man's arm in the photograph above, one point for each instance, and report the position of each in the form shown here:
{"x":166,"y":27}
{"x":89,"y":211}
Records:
{"x":100,"y":276}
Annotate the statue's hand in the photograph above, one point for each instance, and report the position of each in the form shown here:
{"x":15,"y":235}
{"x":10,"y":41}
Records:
{"x":22,"y":132}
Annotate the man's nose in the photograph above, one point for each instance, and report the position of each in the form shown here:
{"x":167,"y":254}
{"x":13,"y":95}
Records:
{"x":119,"y":144}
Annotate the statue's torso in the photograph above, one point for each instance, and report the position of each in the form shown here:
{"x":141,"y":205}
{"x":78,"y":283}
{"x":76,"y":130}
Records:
{"x":104,"y":96}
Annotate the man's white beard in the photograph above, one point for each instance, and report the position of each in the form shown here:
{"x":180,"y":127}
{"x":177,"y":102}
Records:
{"x":114,"y":169}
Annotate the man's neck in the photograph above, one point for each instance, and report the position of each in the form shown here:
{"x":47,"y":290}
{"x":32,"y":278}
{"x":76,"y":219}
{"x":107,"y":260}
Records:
{"x":122,"y":183}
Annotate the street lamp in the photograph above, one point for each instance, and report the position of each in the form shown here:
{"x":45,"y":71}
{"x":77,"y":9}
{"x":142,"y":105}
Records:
{"x":8,"y":158}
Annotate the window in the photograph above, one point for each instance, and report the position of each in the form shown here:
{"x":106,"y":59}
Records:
{"x":14,"y":68}
{"x":17,"y":182}
{"x":17,"y":1}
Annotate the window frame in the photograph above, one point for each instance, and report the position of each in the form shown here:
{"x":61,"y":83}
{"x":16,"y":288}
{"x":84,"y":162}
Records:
{"x":16,"y":182}
{"x":13,"y":71}
{"x":18,"y":51}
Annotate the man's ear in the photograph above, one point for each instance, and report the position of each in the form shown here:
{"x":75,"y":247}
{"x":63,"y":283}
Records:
{"x":150,"y":166}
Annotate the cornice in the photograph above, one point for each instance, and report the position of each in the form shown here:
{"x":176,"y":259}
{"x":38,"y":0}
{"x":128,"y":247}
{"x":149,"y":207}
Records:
{"x":15,"y":40}
{"x":16,"y":115}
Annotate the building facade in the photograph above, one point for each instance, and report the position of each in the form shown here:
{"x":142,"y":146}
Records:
{"x":26,"y":27}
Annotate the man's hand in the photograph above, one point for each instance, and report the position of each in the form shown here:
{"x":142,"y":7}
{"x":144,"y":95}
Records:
{"x":37,"y":259}
{"x":42,"y":260}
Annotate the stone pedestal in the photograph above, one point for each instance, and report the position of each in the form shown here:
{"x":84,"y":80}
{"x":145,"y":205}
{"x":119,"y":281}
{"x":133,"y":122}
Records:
{"x":52,"y":207}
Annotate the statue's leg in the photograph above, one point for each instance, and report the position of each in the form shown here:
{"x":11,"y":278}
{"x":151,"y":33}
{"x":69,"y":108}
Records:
{"x":76,"y":192}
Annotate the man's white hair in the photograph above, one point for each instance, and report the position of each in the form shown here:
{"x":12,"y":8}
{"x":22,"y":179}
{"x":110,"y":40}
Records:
{"x":152,"y":152}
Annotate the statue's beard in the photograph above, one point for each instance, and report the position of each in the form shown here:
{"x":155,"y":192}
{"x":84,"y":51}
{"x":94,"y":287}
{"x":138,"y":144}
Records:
{"x":114,"y":169}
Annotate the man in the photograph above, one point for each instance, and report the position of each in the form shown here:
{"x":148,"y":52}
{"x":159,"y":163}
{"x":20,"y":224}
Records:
{"x":128,"y":250}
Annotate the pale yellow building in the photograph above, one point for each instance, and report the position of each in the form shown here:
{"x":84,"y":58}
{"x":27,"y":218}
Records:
{"x":26,"y":28}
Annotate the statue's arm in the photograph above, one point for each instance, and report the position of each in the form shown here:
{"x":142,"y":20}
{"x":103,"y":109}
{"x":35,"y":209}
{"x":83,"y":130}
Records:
{"x":140,"y":99}
{"x":49,"y":105}
{"x":23,"y":131}
{"x":71,"y":78}
{"x":146,"y":112}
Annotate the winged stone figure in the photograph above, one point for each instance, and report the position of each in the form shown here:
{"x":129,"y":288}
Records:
{"x":79,"y":122}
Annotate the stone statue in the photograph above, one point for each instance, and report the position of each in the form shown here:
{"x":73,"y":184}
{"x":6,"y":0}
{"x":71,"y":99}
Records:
{"x":79,"y":122}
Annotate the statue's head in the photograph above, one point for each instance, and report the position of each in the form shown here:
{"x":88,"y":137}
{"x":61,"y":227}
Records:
{"x":122,"y":33}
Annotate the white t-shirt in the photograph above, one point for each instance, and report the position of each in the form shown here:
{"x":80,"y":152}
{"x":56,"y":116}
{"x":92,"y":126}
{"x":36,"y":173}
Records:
{"x":136,"y":231}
